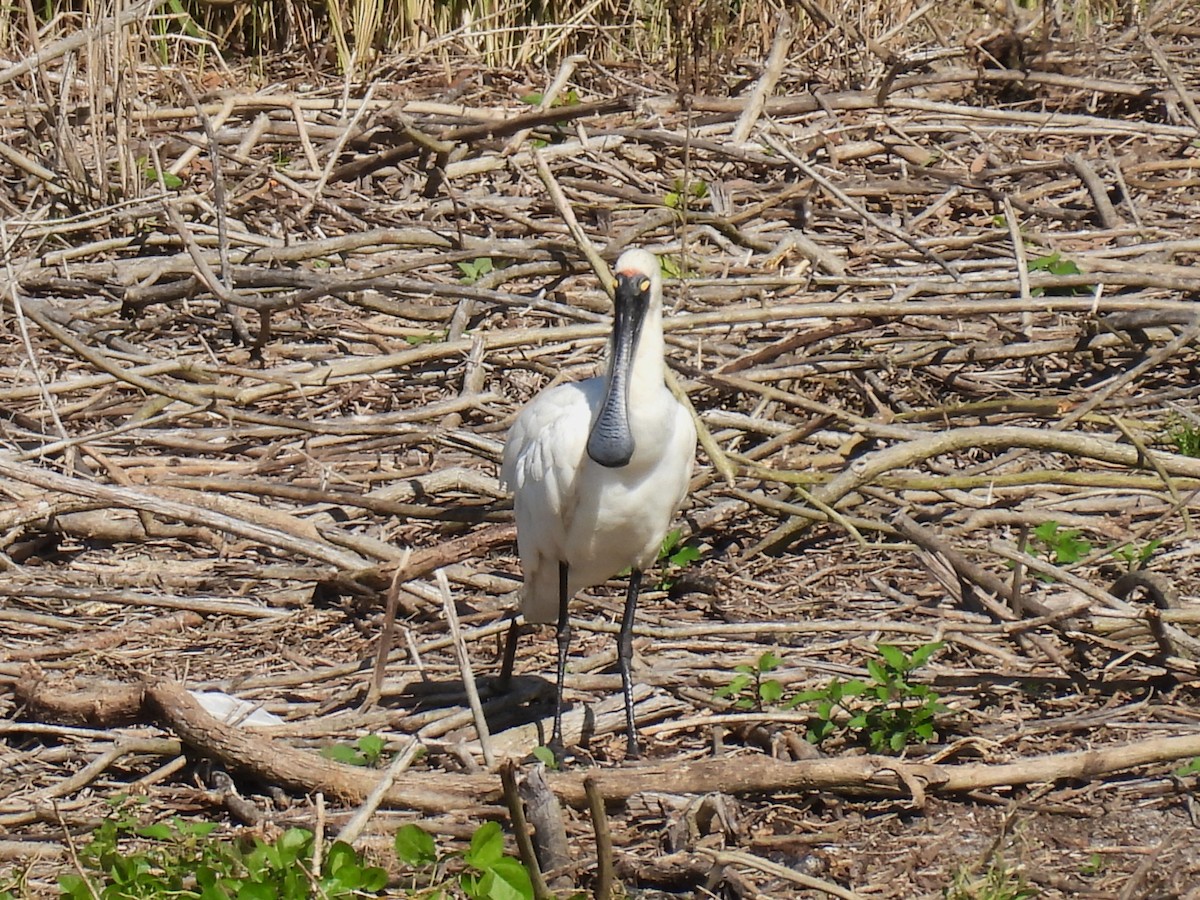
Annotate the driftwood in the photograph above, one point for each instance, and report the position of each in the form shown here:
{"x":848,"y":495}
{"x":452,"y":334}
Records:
{"x":254,"y":754}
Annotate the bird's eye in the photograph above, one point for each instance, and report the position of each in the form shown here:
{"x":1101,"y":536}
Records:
{"x":644,"y":285}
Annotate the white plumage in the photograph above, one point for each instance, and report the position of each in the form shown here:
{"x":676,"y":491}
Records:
{"x":598,"y":518}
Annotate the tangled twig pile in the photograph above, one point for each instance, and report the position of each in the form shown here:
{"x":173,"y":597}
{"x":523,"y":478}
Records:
{"x":931,"y":329}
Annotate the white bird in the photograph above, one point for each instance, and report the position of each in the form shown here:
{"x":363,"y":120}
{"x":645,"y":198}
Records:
{"x":597,"y":469}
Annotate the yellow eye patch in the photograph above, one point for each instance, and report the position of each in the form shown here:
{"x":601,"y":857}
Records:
{"x":644,"y":285}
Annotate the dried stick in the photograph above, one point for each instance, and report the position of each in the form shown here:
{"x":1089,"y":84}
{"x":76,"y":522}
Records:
{"x":93,"y":770}
{"x":132,"y":498}
{"x":352,"y":829}
{"x":251,"y":751}
{"x":79,"y":39}
{"x":565,"y":70}
{"x":577,"y":233}
{"x":516,"y":812}
{"x":867,"y":216}
{"x":776,"y":60}
{"x":870,"y":467}
{"x":785,"y":873}
{"x":543,"y":811}
{"x":1177,"y":83}
{"x":1099,"y":192}
{"x":464,"y":668}
{"x":386,"y":634}
{"x":605,"y":877}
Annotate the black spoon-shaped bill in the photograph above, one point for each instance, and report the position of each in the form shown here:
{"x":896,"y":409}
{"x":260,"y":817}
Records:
{"x":610,"y":442}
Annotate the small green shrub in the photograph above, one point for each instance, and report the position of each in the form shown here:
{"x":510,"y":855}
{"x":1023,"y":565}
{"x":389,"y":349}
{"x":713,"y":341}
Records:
{"x":674,"y":557}
{"x":1135,"y":556}
{"x":749,"y":689}
{"x":1054,"y":264}
{"x":888,"y":712}
{"x":366,"y":751}
{"x":183,"y":860}
{"x":1062,"y":546}
{"x":685,"y":193}
{"x":487,"y":873}
{"x":1186,"y":438}
{"x":473,"y":270}
{"x":998,"y":883}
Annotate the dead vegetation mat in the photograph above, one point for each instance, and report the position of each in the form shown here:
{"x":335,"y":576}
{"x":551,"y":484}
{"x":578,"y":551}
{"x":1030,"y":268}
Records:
{"x":260,"y":350}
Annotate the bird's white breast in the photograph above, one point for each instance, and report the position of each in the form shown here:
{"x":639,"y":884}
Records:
{"x":597,"y":520}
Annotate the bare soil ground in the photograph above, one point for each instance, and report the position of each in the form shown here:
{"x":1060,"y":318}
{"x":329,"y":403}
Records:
{"x":919,"y":318}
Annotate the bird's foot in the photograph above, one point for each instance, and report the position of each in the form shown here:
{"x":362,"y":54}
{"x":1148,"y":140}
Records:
{"x":633,"y":750}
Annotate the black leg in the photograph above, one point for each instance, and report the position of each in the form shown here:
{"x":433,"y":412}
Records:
{"x":625,"y":659}
{"x":504,"y":682}
{"x":564,"y":642}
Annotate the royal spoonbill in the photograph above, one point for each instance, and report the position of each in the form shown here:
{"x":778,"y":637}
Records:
{"x":597,"y":469}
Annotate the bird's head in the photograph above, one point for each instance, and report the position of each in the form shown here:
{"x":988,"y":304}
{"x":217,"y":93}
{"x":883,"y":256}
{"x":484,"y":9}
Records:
{"x":638,"y":296}
{"x":639,"y":278}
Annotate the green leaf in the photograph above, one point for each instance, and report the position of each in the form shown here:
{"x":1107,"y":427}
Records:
{"x":893,"y":656}
{"x":770,"y":691}
{"x":546,"y":756}
{"x":898,"y":740}
{"x":534,"y":98}
{"x":878,"y":673}
{"x":74,"y":887}
{"x":921,"y":655}
{"x":1046,"y":531}
{"x":432,"y":337}
{"x":159,"y":831}
{"x":1054,"y":264}
{"x":476,"y":269}
{"x":341,"y":855}
{"x":509,"y":881}
{"x":769,"y":662}
{"x":198,"y":829}
{"x":487,"y":846}
{"x":415,"y":846}
{"x":853,"y":688}
{"x":170,"y":181}
{"x":292,"y":845}
{"x":1191,"y":767}
{"x":670,"y":542}
{"x":671,"y":268}
{"x":736,"y":686}
{"x":371,"y":746}
{"x":470,"y":884}
{"x":684,"y":555}
{"x":345,"y":754}
{"x":374,"y":879}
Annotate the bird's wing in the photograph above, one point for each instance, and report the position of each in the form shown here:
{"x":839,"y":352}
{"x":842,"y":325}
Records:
{"x":542,"y":458}
{"x":546,"y":444}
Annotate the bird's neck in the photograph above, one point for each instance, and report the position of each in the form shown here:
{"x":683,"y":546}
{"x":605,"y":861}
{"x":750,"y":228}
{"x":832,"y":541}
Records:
{"x":648,"y":366}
